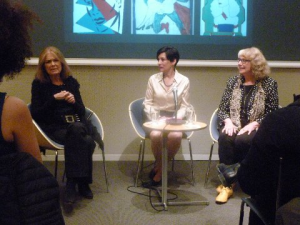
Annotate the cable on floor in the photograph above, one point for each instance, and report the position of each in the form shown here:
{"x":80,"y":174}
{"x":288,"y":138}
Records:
{"x":150,"y":196}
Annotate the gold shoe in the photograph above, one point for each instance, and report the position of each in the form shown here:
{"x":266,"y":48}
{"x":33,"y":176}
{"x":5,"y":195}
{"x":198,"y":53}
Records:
{"x":219,"y":188}
{"x":224,"y":195}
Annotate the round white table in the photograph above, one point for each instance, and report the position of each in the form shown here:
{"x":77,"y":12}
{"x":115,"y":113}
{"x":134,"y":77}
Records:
{"x":166,"y":128}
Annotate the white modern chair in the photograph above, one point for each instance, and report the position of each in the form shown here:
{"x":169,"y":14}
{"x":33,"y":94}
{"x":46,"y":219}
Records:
{"x":46,"y":143}
{"x":136,"y":118}
{"x":214,"y":135}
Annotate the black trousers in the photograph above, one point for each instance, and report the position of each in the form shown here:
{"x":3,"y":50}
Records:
{"x":79,"y":148}
{"x":233,"y":149}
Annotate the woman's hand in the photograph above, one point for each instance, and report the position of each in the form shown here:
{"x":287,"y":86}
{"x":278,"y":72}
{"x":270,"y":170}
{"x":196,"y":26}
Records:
{"x":60,"y":95}
{"x":229,"y":127}
{"x":249,"y":128}
{"x":70,"y":98}
{"x":65,"y":95}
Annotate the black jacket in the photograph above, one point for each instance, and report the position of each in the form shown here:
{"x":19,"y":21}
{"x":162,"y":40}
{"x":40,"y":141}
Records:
{"x":278,"y":136}
{"x":46,"y":110}
{"x":29,"y":194}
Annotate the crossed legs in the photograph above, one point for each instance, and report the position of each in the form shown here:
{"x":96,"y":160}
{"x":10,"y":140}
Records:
{"x":173,"y":143}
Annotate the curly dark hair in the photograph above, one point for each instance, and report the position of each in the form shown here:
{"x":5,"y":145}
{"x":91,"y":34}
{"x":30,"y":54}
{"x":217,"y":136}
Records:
{"x":15,"y":42}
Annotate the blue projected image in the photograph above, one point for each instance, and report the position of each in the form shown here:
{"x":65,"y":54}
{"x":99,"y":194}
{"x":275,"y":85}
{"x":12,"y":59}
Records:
{"x":98,"y":16}
{"x":215,"y":22}
{"x":164,"y":17}
{"x":223,"y":17}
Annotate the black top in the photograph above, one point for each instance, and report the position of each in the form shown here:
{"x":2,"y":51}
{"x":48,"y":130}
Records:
{"x":245,"y":106}
{"x":48,"y":111}
{"x":5,"y":147}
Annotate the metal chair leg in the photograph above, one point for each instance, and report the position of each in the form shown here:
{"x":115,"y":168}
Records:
{"x":209,"y":162}
{"x":64,"y":175}
{"x":242,"y":213}
{"x":192,"y":162}
{"x":141,"y":152}
{"x":143,"y":156}
{"x":56,"y":162}
{"x":104,"y":168}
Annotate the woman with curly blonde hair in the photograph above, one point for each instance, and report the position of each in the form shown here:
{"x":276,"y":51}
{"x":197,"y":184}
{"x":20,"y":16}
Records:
{"x":247,"y":99}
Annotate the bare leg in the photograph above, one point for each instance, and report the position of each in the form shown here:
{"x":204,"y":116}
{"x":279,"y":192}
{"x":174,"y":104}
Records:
{"x":173,"y":145}
{"x":156,"y":146}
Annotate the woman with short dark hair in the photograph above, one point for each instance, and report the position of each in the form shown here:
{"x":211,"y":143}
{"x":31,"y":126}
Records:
{"x":159,"y":97}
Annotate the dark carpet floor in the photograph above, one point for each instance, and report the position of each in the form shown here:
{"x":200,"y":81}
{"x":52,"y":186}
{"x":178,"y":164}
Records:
{"x":129,"y":205}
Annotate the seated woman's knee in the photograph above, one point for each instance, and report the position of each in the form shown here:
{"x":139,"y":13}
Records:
{"x":244,"y":139}
{"x":155,"y":135}
{"x":77,"y":128}
{"x":226,"y":138}
{"x":175,"y":136}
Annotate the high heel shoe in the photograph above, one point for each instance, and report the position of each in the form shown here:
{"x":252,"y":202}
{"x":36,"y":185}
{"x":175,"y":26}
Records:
{"x":151,"y":183}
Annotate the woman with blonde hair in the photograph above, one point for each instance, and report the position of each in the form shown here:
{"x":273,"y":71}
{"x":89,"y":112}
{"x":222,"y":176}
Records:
{"x":57,"y":106}
{"x":247,"y":99}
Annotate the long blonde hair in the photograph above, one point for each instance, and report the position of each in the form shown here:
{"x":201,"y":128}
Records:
{"x":259,"y":65}
{"x":41,"y":73}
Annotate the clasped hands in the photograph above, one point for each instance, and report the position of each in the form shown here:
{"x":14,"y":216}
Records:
{"x":231,"y":129}
{"x":65,"y":95}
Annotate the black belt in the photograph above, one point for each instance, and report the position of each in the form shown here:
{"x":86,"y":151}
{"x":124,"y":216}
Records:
{"x":71,"y":118}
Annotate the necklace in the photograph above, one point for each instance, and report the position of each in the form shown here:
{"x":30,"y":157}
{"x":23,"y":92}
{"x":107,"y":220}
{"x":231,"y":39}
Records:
{"x":168,"y":85}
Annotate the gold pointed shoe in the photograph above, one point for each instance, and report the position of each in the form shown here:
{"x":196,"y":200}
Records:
{"x":219,"y":188}
{"x":224,"y":195}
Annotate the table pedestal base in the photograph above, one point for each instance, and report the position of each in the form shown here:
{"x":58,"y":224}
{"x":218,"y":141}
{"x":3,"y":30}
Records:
{"x":167,"y":203}
{"x":178,"y":203}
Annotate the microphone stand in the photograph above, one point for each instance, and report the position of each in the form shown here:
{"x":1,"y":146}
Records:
{"x":176,"y":113}
{"x":175,"y":121}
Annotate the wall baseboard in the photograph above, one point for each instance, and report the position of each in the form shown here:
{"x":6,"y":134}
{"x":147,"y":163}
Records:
{"x":133,"y":157}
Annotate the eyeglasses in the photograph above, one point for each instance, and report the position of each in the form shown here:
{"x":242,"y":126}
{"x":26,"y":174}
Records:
{"x":243,"y":61}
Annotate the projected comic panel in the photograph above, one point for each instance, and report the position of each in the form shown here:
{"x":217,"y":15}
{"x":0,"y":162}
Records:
{"x":224,"y":17}
{"x":213,"y":29}
{"x":98,"y":16}
{"x":123,"y":25}
{"x":164,"y":17}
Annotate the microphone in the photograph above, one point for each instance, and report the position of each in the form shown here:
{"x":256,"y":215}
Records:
{"x":175,"y":121}
{"x":175,"y":100}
